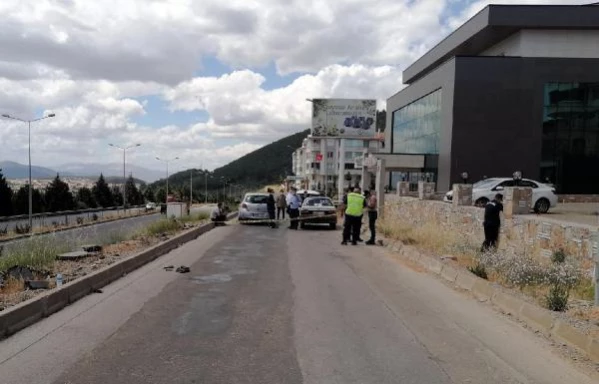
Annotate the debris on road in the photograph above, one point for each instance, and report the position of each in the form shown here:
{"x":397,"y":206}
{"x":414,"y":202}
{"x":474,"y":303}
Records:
{"x":169,"y":268}
{"x":183,"y":269}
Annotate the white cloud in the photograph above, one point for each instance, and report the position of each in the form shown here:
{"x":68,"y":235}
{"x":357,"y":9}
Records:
{"x":95,"y":63}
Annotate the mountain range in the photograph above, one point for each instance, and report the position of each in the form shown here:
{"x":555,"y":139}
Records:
{"x":13,"y":170}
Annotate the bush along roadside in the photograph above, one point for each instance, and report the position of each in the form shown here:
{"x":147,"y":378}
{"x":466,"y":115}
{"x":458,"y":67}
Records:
{"x":31,"y":266}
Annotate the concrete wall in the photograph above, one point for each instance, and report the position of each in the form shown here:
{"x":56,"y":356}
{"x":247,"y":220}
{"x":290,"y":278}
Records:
{"x":536,"y":235}
{"x":548,"y":43}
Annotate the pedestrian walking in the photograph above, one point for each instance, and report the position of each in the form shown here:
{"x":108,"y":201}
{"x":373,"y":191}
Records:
{"x":293,"y":205}
{"x":371,"y":206}
{"x":281,"y":205}
{"x":353,"y":213}
{"x":270,"y":207}
{"x":492,"y":223}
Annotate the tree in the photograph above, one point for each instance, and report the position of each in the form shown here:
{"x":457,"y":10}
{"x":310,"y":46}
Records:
{"x":160,"y":195}
{"x":5,"y":197}
{"x":21,"y":201}
{"x":102,"y":193}
{"x":58,"y":196}
{"x":117,"y":195}
{"x":86,"y":197}
{"x":149,"y":194}
{"x":134,"y":197}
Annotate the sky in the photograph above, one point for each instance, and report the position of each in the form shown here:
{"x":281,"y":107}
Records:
{"x":203,"y":80}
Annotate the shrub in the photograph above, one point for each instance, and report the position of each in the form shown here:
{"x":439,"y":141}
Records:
{"x":4,"y":231}
{"x":479,"y":270}
{"x":22,"y":229}
{"x":558,"y":256}
{"x":80,"y":220}
{"x":94,"y":217}
{"x":557,"y":298}
{"x":194,"y":217}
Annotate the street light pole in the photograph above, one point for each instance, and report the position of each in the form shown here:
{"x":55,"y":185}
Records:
{"x":190,"y":188}
{"x":7,"y":116}
{"x":167,"y":161}
{"x":124,"y":149}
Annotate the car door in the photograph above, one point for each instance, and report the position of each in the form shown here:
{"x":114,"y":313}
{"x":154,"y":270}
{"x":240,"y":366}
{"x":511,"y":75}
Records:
{"x":535,"y":189}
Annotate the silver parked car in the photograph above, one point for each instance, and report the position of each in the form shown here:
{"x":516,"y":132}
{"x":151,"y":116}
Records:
{"x":253,"y":207}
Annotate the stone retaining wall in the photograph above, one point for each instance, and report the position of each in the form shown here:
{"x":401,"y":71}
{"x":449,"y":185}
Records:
{"x":533,"y":234}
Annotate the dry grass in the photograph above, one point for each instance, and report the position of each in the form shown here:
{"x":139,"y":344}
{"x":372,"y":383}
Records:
{"x":12,"y":285}
{"x":431,"y":237}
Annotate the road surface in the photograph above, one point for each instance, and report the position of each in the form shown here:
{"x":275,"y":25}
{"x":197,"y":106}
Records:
{"x":277,"y":306}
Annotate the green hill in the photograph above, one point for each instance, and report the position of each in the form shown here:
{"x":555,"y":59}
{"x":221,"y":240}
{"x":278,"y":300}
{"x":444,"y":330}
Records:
{"x":267,"y":165}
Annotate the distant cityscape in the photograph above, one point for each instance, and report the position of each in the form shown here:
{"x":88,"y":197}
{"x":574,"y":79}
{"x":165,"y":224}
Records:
{"x":74,"y":183}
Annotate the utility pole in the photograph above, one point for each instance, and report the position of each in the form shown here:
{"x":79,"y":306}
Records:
{"x":167,"y":161}
{"x":29,"y":150}
{"x":190,"y":189}
{"x":124,"y":149}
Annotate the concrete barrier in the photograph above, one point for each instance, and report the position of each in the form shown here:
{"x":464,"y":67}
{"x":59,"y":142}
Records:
{"x":29,"y":312}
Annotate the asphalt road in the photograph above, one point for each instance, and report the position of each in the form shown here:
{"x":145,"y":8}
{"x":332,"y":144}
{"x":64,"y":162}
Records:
{"x":268,"y":305}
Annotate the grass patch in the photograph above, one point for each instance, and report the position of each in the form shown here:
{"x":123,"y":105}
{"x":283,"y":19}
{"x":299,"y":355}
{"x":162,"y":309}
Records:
{"x":193,"y":218}
{"x":585,"y":290}
{"x":36,"y":253}
{"x":162,"y":226}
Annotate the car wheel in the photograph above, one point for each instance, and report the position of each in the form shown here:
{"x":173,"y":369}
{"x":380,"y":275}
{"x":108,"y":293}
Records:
{"x":481,"y":202}
{"x":333,"y":226}
{"x":542,"y":206}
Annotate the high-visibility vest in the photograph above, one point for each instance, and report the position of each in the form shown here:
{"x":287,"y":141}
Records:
{"x":355,"y":204}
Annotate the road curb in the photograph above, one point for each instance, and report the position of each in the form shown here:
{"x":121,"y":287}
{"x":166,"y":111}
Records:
{"x":29,"y":312}
{"x":535,"y":317}
{"x":25,"y":236}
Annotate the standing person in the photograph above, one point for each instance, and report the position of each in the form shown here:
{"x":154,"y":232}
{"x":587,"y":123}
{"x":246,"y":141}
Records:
{"x":371,"y":205}
{"x":492,"y":223}
{"x":270,"y":207}
{"x":293,"y":203}
{"x":281,"y":205}
{"x":353,"y":212}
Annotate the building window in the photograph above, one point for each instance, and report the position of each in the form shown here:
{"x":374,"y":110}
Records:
{"x":330,"y":155}
{"x":354,"y":143}
{"x":417,"y":126}
{"x":570,"y":143}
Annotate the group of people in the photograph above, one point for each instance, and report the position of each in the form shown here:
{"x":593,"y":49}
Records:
{"x":354,"y":204}
{"x":282,"y":204}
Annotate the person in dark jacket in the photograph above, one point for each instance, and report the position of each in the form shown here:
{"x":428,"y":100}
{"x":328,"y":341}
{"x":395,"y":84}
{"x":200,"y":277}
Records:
{"x":492,"y":223}
{"x":271,"y":207}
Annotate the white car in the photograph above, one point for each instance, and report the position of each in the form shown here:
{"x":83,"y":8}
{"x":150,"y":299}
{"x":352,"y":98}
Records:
{"x":543,"y":195}
{"x":253,"y":207}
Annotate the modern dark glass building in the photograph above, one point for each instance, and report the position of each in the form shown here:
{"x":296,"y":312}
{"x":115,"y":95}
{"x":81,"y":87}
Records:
{"x":516,"y":88}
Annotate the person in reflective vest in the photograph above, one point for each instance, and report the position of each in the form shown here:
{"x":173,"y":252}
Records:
{"x":353,"y":214}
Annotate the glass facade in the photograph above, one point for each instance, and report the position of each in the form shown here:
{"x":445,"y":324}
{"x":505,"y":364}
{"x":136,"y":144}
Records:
{"x":570,"y":146}
{"x":417,"y":126}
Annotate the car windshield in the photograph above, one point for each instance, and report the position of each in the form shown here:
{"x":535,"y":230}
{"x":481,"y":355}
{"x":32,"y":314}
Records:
{"x":256,"y":199}
{"x":322,"y":202}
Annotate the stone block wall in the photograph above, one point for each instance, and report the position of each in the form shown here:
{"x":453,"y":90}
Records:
{"x":532,"y":234}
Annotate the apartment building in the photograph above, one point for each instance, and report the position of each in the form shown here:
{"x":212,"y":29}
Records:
{"x":330,"y":164}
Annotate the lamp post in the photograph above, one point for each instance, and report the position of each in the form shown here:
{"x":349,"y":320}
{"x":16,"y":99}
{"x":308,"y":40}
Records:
{"x":7,"y":116}
{"x":167,"y":161}
{"x":124,"y":149}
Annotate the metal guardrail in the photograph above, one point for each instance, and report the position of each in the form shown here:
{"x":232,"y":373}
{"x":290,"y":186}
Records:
{"x":44,"y":215}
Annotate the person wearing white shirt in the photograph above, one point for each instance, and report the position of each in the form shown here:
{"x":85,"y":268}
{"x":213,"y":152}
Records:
{"x":293,"y":204}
